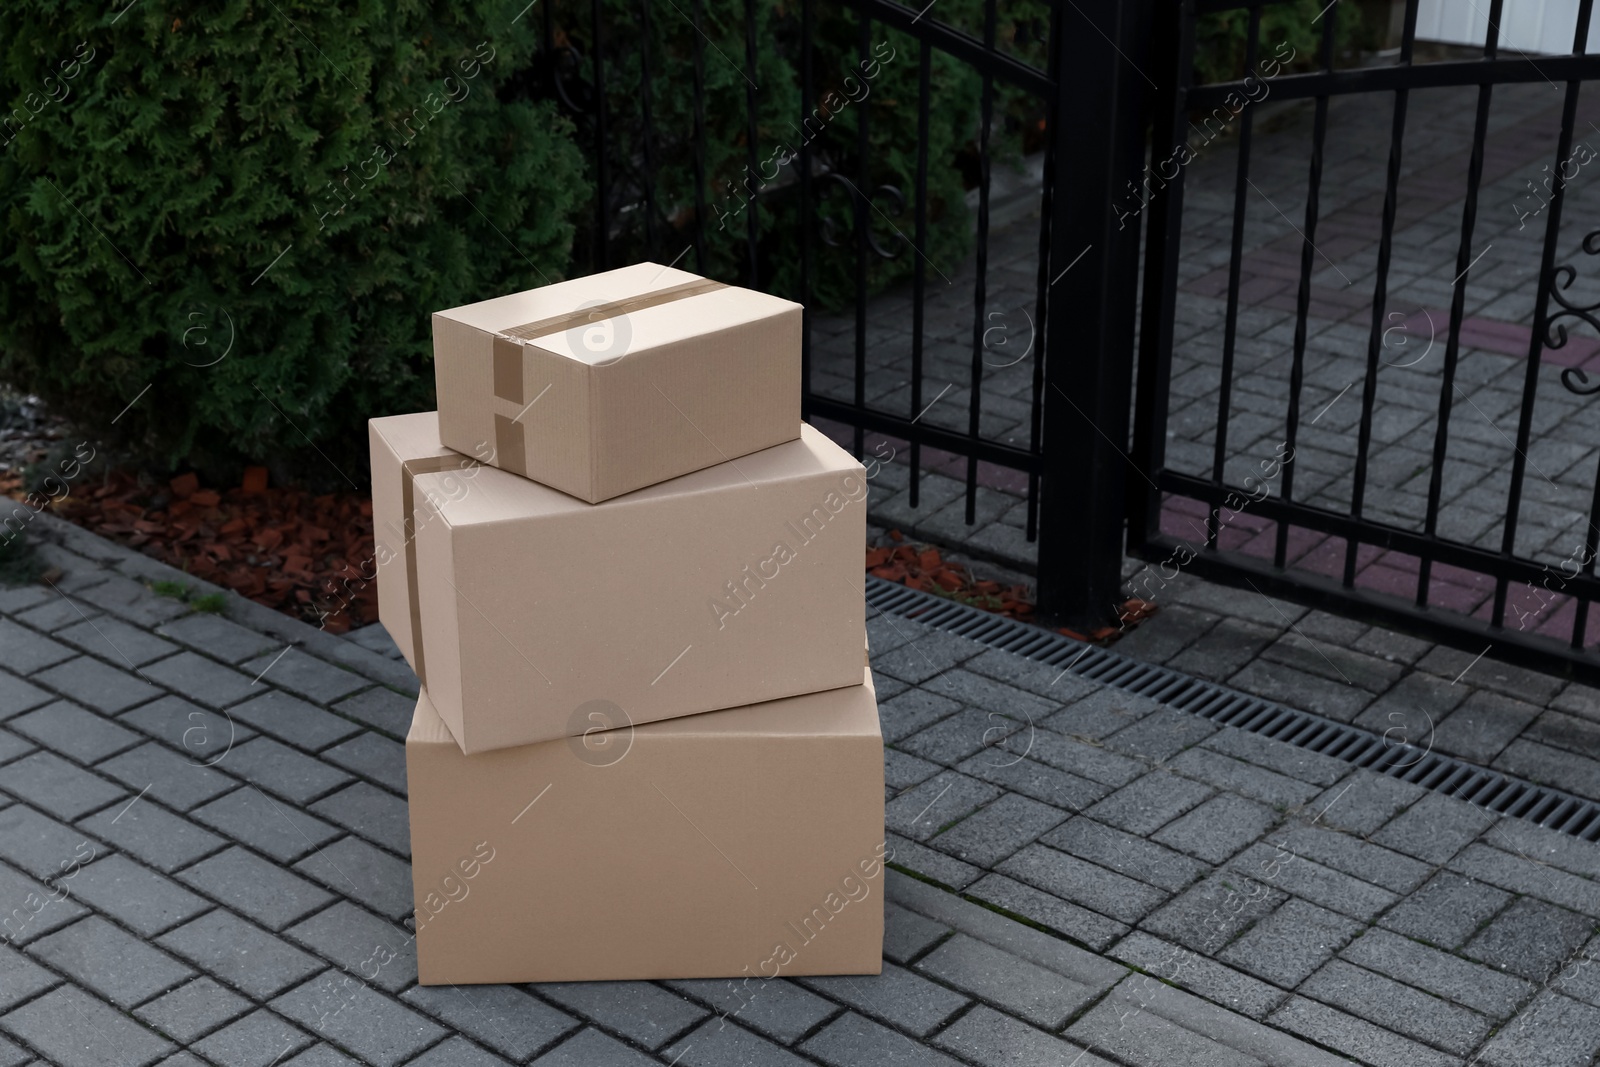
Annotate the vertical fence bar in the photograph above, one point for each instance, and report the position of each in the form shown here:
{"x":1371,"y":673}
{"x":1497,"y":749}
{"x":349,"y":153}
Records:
{"x":1541,"y":310}
{"x":808,"y":30}
{"x":1302,"y":300}
{"x":752,"y":169}
{"x":1380,"y":291}
{"x":861,"y":204}
{"x":980,"y":283}
{"x":1173,"y":48}
{"x":1230,"y":324}
{"x":602,"y":174}
{"x":1458,"y":302}
{"x":1088,"y":343}
{"x":919,"y":276}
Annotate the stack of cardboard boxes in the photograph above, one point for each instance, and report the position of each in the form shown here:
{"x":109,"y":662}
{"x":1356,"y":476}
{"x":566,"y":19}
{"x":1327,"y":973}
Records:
{"x":629,"y":578}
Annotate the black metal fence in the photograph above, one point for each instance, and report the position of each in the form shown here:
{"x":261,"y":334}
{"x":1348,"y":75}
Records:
{"x":1484,"y":588}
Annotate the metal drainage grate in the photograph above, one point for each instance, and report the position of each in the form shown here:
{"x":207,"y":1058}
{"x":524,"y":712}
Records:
{"x":1488,"y":789}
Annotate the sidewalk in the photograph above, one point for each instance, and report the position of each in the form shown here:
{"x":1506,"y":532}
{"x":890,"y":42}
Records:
{"x":1079,"y":870}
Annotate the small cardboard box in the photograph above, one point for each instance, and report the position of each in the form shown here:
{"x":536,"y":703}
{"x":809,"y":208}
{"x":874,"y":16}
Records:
{"x":518,"y":605}
{"x":743,"y":843}
{"x":606,"y":384}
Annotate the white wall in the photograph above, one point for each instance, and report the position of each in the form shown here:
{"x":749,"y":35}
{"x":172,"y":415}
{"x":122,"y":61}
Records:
{"x":1545,"y":26}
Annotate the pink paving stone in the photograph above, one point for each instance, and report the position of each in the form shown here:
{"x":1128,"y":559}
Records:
{"x":1452,"y":597}
{"x":1448,"y":572}
{"x":1263,"y":544}
{"x":1261,"y":287}
{"x":1390,"y":580}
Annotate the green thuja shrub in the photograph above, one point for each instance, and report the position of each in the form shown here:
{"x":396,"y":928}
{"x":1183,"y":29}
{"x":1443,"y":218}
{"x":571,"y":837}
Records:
{"x":242,"y":212}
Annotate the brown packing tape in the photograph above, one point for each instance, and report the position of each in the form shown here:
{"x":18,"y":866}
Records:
{"x":582,"y":317}
{"x":408,"y":511}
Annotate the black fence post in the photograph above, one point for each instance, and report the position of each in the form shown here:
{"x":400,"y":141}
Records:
{"x":1097,"y":129}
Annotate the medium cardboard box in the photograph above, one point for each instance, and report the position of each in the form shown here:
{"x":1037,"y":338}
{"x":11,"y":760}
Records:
{"x":606,"y":384}
{"x":518,"y":606}
{"x":741,"y":843}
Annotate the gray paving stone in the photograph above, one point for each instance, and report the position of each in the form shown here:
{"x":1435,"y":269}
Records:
{"x":1435,"y":828}
{"x":1446,"y":910}
{"x":1146,"y":804}
{"x":1579,"y":977}
{"x":1083,"y":759}
{"x":925,"y":656}
{"x":1540,"y":845}
{"x":1551,"y":766}
{"x":946,"y":870}
{"x":305,"y":675}
{"x":1041,"y":679}
{"x":1224,"y":648}
{"x":1530,"y":938}
{"x":373,"y":756}
{"x":1297,"y":689}
{"x":1246,"y":779}
{"x":191,"y":1010}
{"x":42,"y":846}
{"x":997,"y":830}
{"x":1291,"y":943}
{"x":177,"y":780}
{"x":902,"y":771}
{"x":57,"y":611}
{"x":1410,"y":711}
{"x":1583,"y":700}
{"x":72,"y":731}
{"x":1212,"y":913}
{"x":1312,"y":881}
{"x":376,"y":815}
{"x":1062,"y":875}
{"x":283,"y":771}
{"x":985,"y":1036}
{"x":20,"y":978}
{"x":1515,"y":873}
{"x":17,"y":696}
{"x":1160,"y":735}
{"x":255,"y":887}
{"x":224,"y":945}
{"x":1079,"y":923}
{"x":380,"y":1030}
{"x":907,"y":935}
{"x":217,"y":637}
{"x":119,"y":967}
{"x":14,"y":599}
{"x":591,"y":1048}
{"x":853,"y":1041}
{"x":144,"y":901}
{"x":281,"y":831}
{"x":257,"y":1040}
{"x":714,"y":1044}
{"x":153,"y":834}
{"x":101,"y":687}
{"x":1285,"y":759}
{"x":1218,"y":828}
{"x":1398,"y":1007}
{"x":1021,"y":988}
{"x":374,"y":950}
{"x":74,"y":1029}
{"x":132,"y":601}
{"x":1490,"y":673}
{"x":985,"y":692}
{"x":921,"y":812}
{"x":778,"y":1008}
{"x":203,"y":736}
{"x":355,"y":869}
{"x":457,"y":1052}
{"x":1035,"y":780}
{"x":382,"y":709}
{"x":1151,"y":1024}
{"x":912,"y":711}
{"x":115,"y":641}
{"x":321,"y":1056}
{"x":26,"y":651}
{"x":1444,"y":975}
{"x":1482,"y":726}
{"x":1128,"y":855}
{"x":1355,"y":857}
{"x":1333,"y":662}
{"x":1355,"y":1037}
{"x":52,"y":783}
{"x":504,"y":1018}
{"x":12,"y":746}
{"x":1364,"y":801}
{"x":290,"y":719}
{"x":202,"y":680}
{"x":639,"y":1011}
{"x":1100,"y":713}
{"x":955,"y":737}
{"x":1553,"y":1029}
{"x":1204,"y":977}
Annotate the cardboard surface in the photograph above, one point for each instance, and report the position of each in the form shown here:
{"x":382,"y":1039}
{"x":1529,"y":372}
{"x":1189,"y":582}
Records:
{"x":732,"y":585}
{"x":549,"y":384}
{"x":741,"y":843}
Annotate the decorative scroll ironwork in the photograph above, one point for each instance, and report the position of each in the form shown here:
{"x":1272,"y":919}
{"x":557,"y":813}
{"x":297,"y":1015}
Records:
{"x":1556,"y":331}
{"x":897,"y":201}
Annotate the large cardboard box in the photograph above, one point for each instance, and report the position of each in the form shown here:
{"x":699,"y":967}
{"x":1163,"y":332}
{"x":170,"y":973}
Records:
{"x":742,"y":843}
{"x":519,"y":606}
{"x":605,"y":384}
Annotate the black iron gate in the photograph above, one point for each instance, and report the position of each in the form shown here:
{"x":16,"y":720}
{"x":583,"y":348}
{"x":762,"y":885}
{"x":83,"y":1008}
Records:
{"x":1474,"y":534}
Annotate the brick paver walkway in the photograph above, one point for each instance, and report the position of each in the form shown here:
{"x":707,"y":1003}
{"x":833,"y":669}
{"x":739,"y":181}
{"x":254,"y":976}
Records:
{"x":1093,"y":878}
